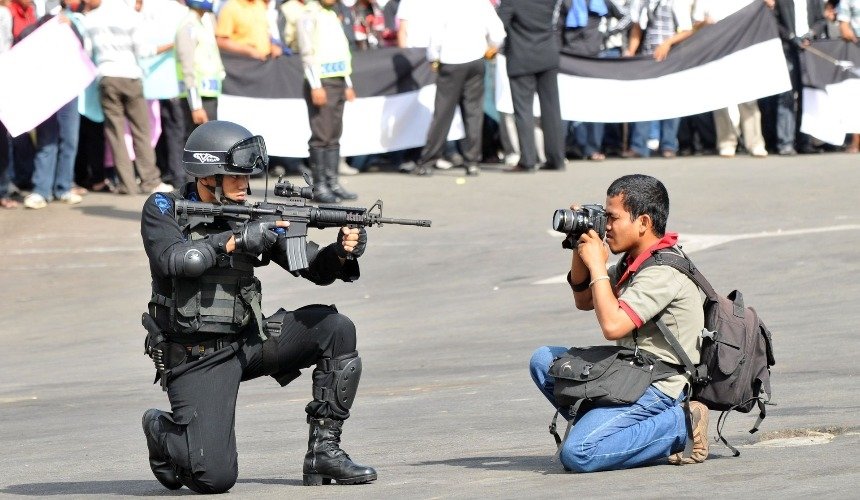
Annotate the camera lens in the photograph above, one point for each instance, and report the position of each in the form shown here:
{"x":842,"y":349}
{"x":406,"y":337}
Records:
{"x":562,"y":220}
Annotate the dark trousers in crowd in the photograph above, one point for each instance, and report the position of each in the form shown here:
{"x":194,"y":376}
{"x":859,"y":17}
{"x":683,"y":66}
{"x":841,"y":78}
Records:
{"x":5,"y":163}
{"x":176,"y":125}
{"x":697,"y":134}
{"x":23,"y":155}
{"x":121,"y":99}
{"x":523,"y":88}
{"x":326,"y":121}
{"x":784,"y":110}
{"x":168,"y":150}
{"x":90,"y":160}
{"x":199,"y":434}
{"x":458,"y":85}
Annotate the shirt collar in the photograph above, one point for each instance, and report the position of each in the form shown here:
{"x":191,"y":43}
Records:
{"x":632,"y":264}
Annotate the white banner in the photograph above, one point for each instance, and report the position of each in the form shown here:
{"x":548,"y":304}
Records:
{"x":42,"y":73}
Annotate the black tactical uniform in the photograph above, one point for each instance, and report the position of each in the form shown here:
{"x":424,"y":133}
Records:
{"x":206,"y":333}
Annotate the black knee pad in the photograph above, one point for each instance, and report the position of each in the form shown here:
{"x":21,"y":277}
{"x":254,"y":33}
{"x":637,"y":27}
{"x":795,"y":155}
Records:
{"x":345,"y":374}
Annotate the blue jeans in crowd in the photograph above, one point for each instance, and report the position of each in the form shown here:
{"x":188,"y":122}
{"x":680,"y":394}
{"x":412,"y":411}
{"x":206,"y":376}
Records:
{"x":56,"y":148}
{"x":589,"y":136}
{"x":641,"y":131}
{"x":615,"y":437}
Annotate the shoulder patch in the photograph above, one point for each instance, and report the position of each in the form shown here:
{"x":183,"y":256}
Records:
{"x":164,"y":204}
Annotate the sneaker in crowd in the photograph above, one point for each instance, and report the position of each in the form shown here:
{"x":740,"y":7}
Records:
{"x":759,"y":152}
{"x":699,"y":416}
{"x":727,"y":152}
{"x":70,"y":198}
{"x":407,"y":167}
{"x":35,"y":201}
{"x":79,"y":190}
{"x":511,"y":160}
{"x":443,"y":164}
{"x":162,"y":188}
{"x":344,"y":168}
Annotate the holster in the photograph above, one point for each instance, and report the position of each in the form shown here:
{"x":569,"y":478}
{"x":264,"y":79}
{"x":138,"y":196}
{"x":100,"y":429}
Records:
{"x":165,"y":355}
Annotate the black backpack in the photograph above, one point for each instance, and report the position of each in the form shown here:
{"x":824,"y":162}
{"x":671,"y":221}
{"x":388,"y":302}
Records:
{"x":737,"y":353}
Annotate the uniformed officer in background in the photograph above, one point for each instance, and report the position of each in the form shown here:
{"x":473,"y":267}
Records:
{"x":327,"y":64}
{"x":198,"y":63}
{"x":206,"y":330}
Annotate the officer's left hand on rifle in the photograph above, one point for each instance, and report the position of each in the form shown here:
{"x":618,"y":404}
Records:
{"x":351,"y":241}
{"x":256,"y":237}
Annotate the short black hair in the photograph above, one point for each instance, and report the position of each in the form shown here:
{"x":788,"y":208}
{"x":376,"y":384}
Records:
{"x":643,"y":194}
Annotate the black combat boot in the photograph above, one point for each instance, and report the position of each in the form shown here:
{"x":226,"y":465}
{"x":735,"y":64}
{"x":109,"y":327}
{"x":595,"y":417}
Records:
{"x":322,"y":192}
{"x":159,"y":461}
{"x":332,"y":162}
{"x":325,"y":460}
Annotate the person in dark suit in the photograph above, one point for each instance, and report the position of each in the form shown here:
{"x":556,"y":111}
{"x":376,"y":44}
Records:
{"x":795,"y":31}
{"x":532,"y":51}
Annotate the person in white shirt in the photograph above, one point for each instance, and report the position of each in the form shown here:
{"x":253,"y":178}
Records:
{"x":728,"y":129}
{"x":114,"y":38}
{"x":458,"y":45}
{"x":415,"y":18}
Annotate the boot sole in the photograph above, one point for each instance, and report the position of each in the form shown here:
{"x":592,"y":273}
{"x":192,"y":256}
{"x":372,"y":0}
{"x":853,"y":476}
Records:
{"x":319,"y":479}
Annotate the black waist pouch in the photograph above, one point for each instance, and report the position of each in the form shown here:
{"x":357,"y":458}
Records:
{"x":605,"y":375}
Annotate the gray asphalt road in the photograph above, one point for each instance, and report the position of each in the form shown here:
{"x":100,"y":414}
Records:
{"x":447,"y":319}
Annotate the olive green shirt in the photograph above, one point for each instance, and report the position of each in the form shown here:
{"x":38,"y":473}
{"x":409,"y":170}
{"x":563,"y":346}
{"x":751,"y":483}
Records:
{"x":661,"y":291}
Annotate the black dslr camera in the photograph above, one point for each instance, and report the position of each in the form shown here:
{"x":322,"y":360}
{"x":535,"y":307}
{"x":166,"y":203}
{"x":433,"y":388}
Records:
{"x":575,"y":223}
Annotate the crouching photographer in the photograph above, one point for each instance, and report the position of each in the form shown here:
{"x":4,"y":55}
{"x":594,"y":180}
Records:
{"x":626,"y":404}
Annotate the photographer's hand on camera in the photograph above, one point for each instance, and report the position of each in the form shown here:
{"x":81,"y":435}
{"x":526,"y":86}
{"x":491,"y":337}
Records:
{"x":593,"y":252}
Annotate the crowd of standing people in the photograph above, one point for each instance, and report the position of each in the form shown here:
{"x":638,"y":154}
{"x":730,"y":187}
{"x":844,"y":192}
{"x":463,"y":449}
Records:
{"x":66,"y":156}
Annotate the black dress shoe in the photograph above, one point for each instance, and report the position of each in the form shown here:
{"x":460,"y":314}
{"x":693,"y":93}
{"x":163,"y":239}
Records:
{"x":522,"y":169}
{"x":553,"y":166}
{"x":472,"y":169}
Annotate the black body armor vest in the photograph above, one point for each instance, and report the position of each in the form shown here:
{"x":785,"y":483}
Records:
{"x":220,"y":302}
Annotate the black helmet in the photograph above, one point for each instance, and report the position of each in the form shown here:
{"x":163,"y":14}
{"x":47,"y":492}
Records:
{"x":222,"y":147}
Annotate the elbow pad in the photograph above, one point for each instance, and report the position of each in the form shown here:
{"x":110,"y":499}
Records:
{"x":193,"y":260}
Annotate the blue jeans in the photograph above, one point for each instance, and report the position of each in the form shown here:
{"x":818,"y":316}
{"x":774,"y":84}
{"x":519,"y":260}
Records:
{"x":589,"y":136}
{"x":641,"y":131}
{"x":56,"y":148}
{"x":615,"y":437}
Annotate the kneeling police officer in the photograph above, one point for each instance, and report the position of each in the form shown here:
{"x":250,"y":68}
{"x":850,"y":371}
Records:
{"x":206,"y":331}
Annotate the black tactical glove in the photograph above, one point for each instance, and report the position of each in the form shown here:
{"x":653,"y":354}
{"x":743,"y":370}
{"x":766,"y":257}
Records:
{"x":255,"y":237}
{"x":360,"y":245}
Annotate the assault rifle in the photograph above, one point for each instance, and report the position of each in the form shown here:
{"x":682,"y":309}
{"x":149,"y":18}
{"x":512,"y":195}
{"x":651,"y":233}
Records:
{"x":300,"y":214}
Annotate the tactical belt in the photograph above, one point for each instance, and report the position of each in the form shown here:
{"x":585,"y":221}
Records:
{"x":206,"y":348}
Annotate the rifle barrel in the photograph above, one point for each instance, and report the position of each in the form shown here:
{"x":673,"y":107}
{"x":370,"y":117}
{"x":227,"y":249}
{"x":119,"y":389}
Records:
{"x":404,"y":222}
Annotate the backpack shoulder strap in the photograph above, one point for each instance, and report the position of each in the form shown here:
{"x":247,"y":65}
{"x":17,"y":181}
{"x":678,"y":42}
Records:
{"x":683,"y":264}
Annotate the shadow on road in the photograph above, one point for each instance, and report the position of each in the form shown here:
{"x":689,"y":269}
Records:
{"x":131,"y":487}
{"x":137,"y":488}
{"x":541,"y":464}
{"x":110,"y":212}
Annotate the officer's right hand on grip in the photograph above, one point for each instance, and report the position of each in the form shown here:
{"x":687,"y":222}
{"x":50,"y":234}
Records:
{"x":255,"y":237}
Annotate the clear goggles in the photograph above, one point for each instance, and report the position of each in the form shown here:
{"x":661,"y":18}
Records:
{"x":248,"y":154}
